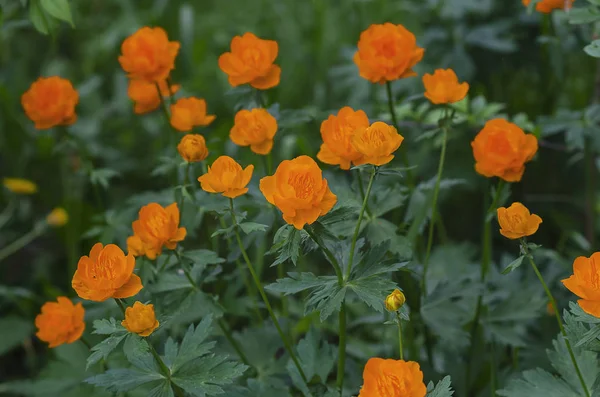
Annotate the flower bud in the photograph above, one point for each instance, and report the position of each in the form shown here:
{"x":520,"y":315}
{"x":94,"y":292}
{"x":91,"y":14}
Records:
{"x":395,"y":300}
{"x":140,"y":319}
{"x":57,"y":217}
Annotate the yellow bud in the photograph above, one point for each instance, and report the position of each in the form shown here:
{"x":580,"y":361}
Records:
{"x":140,"y":319}
{"x":395,"y":300}
{"x":58,"y":217}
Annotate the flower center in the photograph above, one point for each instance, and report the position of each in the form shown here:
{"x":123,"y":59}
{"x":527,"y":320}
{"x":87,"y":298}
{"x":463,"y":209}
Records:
{"x":104,"y":268}
{"x":594,"y":278}
{"x":392,"y":386}
{"x":303,"y":185}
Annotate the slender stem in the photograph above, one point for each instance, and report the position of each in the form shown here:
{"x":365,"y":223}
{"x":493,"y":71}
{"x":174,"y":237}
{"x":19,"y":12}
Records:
{"x":361,"y":189}
{"x":86,"y":343}
{"x":556,"y":314}
{"x":270,"y":163}
{"x":400,"y":347}
{"x":120,"y":304}
{"x":436,"y":191}
{"x":263,"y":294}
{"x":360,"y":217}
{"x":171,"y":93}
{"x":390,"y":98}
{"x":233,"y":342}
{"x":7,"y":212}
{"x":164,"y":107}
{"x":22,"y":241}
{"x":328,"y":254}
{"x":341,"y":369}
{"x":165,"y":370}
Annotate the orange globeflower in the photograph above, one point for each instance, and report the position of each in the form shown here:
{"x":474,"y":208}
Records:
{"x":60,"y":322}
{"x":443,"y":87}
{"x":251,"y":61}
{"x":376,"y":143}
{"x":337,"y":132}
{"x":50,"y":101}
{"x":255,"y":128}
{"x":516,"y":221}
{"x":546,"y":6}
{"x":145,"y":95}
{"x":299,"y":190}
{"x":501,"y":149}
{"x":19,"y":185}
{"x":387,"y":378}
{"x":192,"y":148}
{"x":106,"y":273}
{"x":188,"y":113}
{"x":387,"y":52}
{"x":226,"y":176}
{"x":158,"y":227}
{"x":135,"y":246}
{"x":148,"y":54}
{"x":140,"y":319}
{"x":585,"y":283}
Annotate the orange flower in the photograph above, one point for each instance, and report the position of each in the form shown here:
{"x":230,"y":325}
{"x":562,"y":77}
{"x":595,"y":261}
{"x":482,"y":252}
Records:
{"x":140,"y":319}
{"x":158,"y":227}
{"x":61,"y":322}
{"x":387,"y":52}
{"x":516,"y":221}
{"x":376,"y":143}
{"x":299,"y":190}
{"x":192,"y":148}
{"x":20,"y":186}
{"x":148,"y":54}
{"x":546,"y":6}
{"x":135,"y":246}
{"x":501,"y":149}
{"x":387,"y":378}
{"x":188,"y":113}
{"x":226,"y":177}
{"x":337,"y":132}
{"x":251,"y":61}
{"x":50,"y":102}
{"x":395,"y":300}
{"x":585,"y":283}
{"x":106,"y":273}
{"x":255,"y":128}
{"x":442,"y":87}
{"x":145,"y":95}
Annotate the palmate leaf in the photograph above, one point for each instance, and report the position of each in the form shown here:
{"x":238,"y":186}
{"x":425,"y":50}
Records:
{"x":123,"y":379}
{"x":286,"y":244}
{"x":316,"y":357}
{"x":192,"y":346}
{"x":207,"y":375}
{"x":442,"y":389}
{"x":538,"y":383}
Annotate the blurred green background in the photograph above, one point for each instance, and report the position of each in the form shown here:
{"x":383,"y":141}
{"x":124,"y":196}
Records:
{"x":527,"y":66}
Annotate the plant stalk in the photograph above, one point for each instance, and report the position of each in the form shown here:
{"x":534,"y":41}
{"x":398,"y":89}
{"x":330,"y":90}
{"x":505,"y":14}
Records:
{"x":390,"y":97}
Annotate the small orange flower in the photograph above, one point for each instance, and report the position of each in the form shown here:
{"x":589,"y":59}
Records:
{"x":443,"y":87}
{"x":546,"y":6}
{"x":135,"y":246}
{"x":255,"y":128}
{"x":106,"y":273}
{"x":20,"y":186}
{"x":60,"y":322}
{"x":226,"y":176}
{"x":501,"y":149}
{"x":57,"y":217}
{"x":140,"y":319}
{"x":251,"y":61}
{"x":188,"y":113}
{"x":145,"y":95}
{"x":299,"y":190}
{"x":192,"y":148}
{"x":148,"y":55}
{"x":337,"y":132}
{"x":50,"y":101}
{"x":585,"y":283}
{"x":387,"y":52}
{"x":387,"y":378}
{"x":376,"y":143}
{"x":158,"y":227}
{"x":516,"y":221}
{"x":395,"y":300}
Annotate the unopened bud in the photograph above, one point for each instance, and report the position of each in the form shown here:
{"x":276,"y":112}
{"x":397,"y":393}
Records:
{"x":395,"y":300}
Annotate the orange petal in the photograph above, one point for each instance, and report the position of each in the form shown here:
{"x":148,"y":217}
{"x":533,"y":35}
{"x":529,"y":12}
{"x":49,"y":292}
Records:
{"x":270,"y":80}
{"x":130,"y":288}
{"x":590,"y":307}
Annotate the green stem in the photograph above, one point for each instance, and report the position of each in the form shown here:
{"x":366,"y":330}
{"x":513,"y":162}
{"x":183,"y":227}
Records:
{"x":233,"y":342}
{"x":262,"y":293}
{"x":171,"y":93}
{"x":400,"y":347}
{"x":86,"y":342}
{"x":341,"y":369}
{"x":390,"y":98}
{"x":165,"y":370}
{"x":163,"y":103}
{"x":21,"y":242}
{"x":328,"y":254}
{"x":7,"y":212}
{"x":556,"y":314}
{"x":361,"y":189}
{"x":360,"y":217}
{"x":120,"y":304}
{"x":434,"y":212}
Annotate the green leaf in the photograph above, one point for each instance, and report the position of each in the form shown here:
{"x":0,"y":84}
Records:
{"x":228,"y":231}
{"x":263,"y":387}
{"x":163,"y":389}
{"x":171,"y":282}
{"x":442,"y":389}
{"x":379,"y":231}
{"x":593,"y":49}
{"x":537,"y":383}
{"x":38,"y":18}
{"x":373,"y":290}
{"x":339,"y":214}
{"x":123,"y":380}
{"x":249,"y":227}
{"x":59,"y":9}
{"x":206,"y":376}
{"x":203,"y":257}
{"x":102,"y":176}
{"x":192,"y":346}
{"x":104,"y":348}
{"x":513,"y":265}
{"x":13,"y":331}
{"x":584,"y":15}
{"x":137,"y":351}
{"x":316,"y":358}
{"x":107,"y":327}
{"x":286,"y":244}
